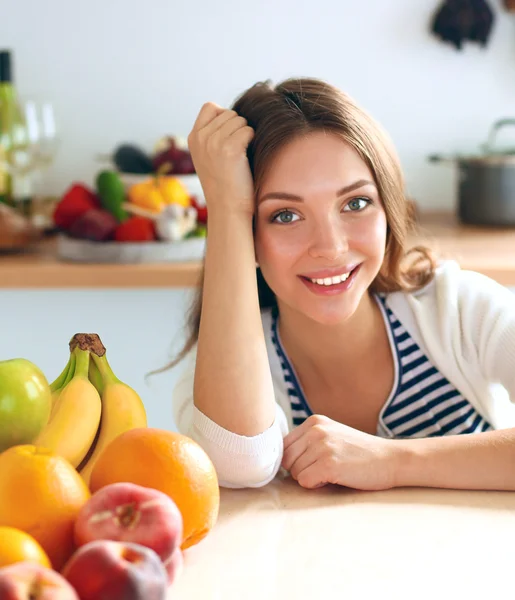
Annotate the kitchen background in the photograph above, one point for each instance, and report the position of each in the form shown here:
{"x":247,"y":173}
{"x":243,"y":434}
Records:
{"x":124,"y":71}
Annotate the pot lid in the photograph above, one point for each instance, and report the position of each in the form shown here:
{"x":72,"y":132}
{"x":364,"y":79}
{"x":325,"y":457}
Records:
{"x":491,"y":154}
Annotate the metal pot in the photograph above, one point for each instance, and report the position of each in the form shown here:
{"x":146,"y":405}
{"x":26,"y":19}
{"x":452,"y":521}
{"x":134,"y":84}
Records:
{"x":486,"y":189}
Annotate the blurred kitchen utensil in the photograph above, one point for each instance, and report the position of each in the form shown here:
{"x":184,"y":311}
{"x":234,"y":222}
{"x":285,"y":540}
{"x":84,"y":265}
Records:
{"x":486,"y":183}
{"x":456,"y":21}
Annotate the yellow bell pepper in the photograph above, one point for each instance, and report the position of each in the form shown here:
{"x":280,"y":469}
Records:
{"x":147,"y":194}
{"x":174,"y":191}
{"x":156,"y":192}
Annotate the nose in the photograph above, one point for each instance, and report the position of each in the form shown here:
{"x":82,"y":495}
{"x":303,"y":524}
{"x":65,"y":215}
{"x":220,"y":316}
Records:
{"x":329,"y":240}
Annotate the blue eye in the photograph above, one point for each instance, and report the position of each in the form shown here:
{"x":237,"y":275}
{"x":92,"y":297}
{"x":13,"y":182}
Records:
{"x":283,"y":217}
{"x":356,"y":204}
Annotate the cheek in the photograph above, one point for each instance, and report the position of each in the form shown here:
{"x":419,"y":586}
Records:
{"x":369,"y":235}
{"x":275,"y":247}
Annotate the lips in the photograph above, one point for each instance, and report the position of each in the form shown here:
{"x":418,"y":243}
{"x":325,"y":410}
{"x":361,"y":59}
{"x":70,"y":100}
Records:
{"x":325,"y":273}
{"x":333,"y":288}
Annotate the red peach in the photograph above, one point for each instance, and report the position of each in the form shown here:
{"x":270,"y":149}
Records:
{"x":174,"y":566}
{"x":127,"y":512}
{"x":31,"y":581}
{"x":116,"y":570}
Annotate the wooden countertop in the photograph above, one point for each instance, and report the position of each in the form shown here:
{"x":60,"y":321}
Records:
{"x":283,"y":542}
{"x":489,"y":251}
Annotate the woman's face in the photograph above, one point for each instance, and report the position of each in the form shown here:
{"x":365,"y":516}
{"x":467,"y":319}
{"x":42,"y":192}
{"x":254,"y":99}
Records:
{"x":320,"y":228}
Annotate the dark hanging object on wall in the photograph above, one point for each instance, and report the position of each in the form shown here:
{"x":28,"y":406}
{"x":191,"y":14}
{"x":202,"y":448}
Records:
{"x":456,"y":21}
{"x":510,"y":5}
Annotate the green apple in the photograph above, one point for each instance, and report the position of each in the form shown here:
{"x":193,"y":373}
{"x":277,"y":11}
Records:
{"x":25,"y":402}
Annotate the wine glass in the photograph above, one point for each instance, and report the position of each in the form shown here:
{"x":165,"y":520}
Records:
{"x":42,"y":138}
{"x":33,"y":147}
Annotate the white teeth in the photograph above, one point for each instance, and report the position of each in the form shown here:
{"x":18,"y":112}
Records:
{"x":331,"y":280}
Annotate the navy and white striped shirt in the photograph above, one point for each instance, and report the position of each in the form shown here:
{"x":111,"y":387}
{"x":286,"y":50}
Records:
{"x":422,"y":403}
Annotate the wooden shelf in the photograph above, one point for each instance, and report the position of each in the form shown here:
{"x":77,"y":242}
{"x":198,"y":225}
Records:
{"x":40,"y":268}
{"x":490,"y":251}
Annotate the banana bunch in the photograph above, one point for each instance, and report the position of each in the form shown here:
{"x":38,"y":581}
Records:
{"x":76,"y":410}
{"x":122,"y":409}
{"x":90,"y":406}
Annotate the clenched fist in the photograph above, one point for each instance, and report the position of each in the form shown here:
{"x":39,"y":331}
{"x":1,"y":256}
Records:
{"x":218,"y":144}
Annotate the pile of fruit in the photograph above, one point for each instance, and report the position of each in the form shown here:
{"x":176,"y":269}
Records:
{"x":169,"y":157}
{"x":158,"y":207}
{"x":94,"y":504}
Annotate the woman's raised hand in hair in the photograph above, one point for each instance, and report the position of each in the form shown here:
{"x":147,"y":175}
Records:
{"x":218,"y":144}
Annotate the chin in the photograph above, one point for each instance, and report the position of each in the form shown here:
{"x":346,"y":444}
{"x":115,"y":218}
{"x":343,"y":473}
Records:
{"x":331,"y":311}
{"x":330,"y":317}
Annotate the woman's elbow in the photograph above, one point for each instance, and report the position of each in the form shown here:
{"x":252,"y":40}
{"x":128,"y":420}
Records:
{"x":237,"y":469}
{"x":239,"y":461}
{"x":247,"y":475}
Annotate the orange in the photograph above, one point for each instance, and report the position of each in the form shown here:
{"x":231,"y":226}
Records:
{"x":18,"y":546}
{"x":171,"y":463}
{"x":41,"y":494}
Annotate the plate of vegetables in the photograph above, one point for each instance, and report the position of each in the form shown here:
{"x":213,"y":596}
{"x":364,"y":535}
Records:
{"x":153,"y":218}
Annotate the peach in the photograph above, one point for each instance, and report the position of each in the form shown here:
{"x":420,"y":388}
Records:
{"x":174,"y":566}
{"x":126,"y":512}
{"x":116,"y":570}
{"x":30,"y":581}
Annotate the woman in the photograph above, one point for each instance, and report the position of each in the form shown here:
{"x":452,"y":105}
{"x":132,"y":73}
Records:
{"x":347,"y":360}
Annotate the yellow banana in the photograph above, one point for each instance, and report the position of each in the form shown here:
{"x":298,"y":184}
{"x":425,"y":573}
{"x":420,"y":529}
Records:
{"x":122,"y":410}
{"x":65,"y":374}
{"x":76,"y":415}
{"x":95,"y":377}
{"x":61,"y":381}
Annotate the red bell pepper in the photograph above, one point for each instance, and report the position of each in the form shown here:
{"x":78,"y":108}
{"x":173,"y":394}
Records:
{"x":135,"y":229}
{"x":77,"y":200}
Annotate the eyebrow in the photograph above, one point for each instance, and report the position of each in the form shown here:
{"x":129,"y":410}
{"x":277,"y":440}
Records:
{"x":295,"y":198}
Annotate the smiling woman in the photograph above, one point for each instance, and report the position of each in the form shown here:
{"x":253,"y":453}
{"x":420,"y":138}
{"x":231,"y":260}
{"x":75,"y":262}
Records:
{"x":318,"y":341}
{"x":330,"y":232}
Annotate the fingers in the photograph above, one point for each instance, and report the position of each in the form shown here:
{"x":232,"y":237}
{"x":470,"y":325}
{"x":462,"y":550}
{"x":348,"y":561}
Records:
{"x":224,"y":125}
{"x":293,"y":452}
{"x":243,"y":135}
{"x":305,"y":460}
{"x":216,"y":123}
{"x":207,"y":113}
{"x":311,"y":477}
{"x":306,"y":468}
{"x":232,"y":125}
{"x":296,"y":434}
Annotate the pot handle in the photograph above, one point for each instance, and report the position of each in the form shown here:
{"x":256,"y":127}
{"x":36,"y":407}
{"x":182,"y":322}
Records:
{"x":488,"y":146}
{"x":436,"y":158}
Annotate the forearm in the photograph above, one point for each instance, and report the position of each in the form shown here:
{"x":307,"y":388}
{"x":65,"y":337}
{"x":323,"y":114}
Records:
{"x":233,"y":383}
{"x":483,"y":461}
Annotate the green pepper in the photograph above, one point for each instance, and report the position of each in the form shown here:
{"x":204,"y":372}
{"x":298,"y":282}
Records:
{"x":112,"y":194}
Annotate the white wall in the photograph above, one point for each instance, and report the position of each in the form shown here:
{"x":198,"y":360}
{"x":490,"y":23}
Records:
{"x":130,"y":70}
{"x":139,"y":328}
{"x":125,"y":70}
